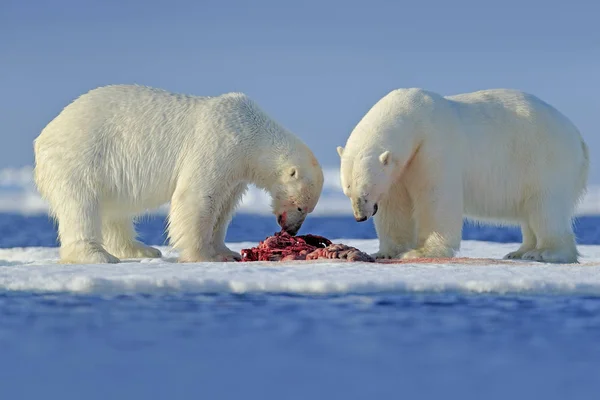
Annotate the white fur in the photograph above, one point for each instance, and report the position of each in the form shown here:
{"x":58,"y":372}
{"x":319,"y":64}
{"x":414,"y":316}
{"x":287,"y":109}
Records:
{"x":120,"y":150}
{"x":501,"y":156}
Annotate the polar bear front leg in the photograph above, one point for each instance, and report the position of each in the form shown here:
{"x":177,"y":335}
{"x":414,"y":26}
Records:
{"x":224,"y":219}
{"x":394,"y":223}
{"x":439,"y":218}
{"x":119,"y":238}
{"x":192,"y":220}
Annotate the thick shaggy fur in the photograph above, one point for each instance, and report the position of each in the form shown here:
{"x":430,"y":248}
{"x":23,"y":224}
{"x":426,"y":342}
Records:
{"x":120,"y":150}
{"x":501,"y":156}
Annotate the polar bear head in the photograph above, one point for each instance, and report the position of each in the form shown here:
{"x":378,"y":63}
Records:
{"x":365,"y":177}
{"x":297,"y":189}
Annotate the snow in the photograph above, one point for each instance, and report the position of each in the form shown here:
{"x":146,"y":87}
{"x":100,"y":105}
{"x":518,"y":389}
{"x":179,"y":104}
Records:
{"x":19,"y":195}
{"x":36,"y":269}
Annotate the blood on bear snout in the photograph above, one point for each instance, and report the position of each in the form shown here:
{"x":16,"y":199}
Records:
{"x":282,"y":218}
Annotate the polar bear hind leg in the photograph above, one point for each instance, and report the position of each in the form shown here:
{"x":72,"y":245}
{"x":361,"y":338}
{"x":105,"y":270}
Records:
{"x":119,"y":238}
{"x":529,"y":243}
{"x":79,"y":230}
{"x":550,"y":220}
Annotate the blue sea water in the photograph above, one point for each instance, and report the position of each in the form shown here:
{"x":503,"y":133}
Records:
{"x":280,"y":346}
{"x":18,"y":230}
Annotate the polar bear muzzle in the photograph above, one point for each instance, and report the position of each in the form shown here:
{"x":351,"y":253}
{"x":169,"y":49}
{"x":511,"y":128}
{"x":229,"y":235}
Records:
{"x":291,"y":221}
{"x":361,"y":210}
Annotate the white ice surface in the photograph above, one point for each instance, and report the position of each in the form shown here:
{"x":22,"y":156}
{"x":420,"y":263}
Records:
{"x":36,"y":269}
{"x":19,"y":195}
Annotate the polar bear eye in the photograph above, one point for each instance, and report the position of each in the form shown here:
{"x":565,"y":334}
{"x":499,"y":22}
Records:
{"x":299,"y":209}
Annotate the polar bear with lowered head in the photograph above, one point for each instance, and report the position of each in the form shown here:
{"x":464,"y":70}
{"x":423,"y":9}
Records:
{"x":120,"y":150}
{"x":419,"y":162}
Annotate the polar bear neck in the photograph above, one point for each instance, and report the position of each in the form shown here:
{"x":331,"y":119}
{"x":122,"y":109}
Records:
{"x":280,"y":151}
{"x":267,"y":148}
{"x":272,"y":148}
{"x":391,"y":125}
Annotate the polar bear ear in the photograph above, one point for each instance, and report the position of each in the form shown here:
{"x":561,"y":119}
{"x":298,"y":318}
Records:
{"x":340,"y":150}
{"x":293,"y":171}
{"x":385,"y":157}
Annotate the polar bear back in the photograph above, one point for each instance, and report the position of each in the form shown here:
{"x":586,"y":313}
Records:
{"x":509,"y":145}
{"x":516,"y":145}
{"x":133,"y":142}
{"x":132,"y":120}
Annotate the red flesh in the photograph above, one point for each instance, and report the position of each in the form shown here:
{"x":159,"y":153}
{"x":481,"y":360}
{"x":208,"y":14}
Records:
{"x":284,"y":247}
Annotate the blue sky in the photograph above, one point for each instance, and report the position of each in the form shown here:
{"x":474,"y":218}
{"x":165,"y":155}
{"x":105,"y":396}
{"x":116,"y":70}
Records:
{"x":315,"y":66}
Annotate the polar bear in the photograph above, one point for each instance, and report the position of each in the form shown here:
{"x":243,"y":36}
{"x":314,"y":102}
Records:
{"x":426,"y":161}
{"x":120,"y":150}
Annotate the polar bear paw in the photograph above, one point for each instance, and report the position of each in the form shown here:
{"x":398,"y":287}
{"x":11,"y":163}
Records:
{"x":150,"y":252}
{"x":385,"y":255}
{"x":138,"y":250}
{"x":516,"y":255}
{"x":221,"y":255}
{"x":415,"y":253}
{"x":558,"y":256}
{"x":228,"y":255}
{"x":424,"y":252}
{"x":83,"y":252}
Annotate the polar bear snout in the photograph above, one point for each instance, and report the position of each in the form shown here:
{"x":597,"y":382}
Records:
{"x":292,"y":230}
{"x":291,"y":222}
{"x":363,"y":209}
{"x":363,"y":218}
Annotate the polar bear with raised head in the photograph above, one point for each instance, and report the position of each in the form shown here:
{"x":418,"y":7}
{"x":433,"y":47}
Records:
{"x":120,"y":150}
{"x":418,"y":162}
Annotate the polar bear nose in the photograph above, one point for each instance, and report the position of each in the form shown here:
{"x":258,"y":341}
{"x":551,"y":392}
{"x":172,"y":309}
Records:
{"x":375,"y":208}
